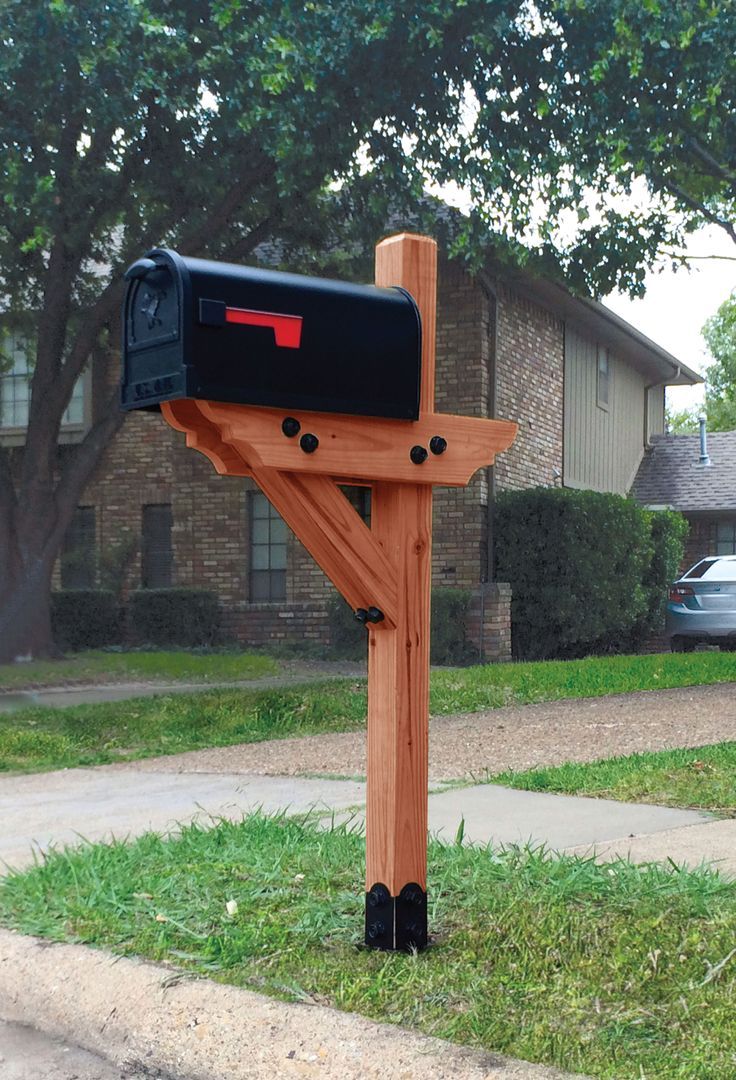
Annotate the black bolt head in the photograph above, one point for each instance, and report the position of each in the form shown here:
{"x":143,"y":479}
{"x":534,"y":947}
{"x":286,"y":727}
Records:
{"x":379,"y":894}
{"x":291,"y":427}
{"x":437,"y":444}
{"x":418,"y":455}
{"x":375,"y":930}
{"x":361,"y":615}
{"x":375,"y":614}
{"x":309,"y":443}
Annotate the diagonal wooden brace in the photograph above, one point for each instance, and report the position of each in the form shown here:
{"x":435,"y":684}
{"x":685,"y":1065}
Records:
{"x":313,"y":506}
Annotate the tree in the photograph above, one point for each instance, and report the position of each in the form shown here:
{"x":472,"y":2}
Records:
{"x":720,"y":393}
{"x":216,"y":125}
{"x":603,"y":101}
{"x":211,"y":126}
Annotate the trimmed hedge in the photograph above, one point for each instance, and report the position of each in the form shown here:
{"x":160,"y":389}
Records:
{"x":669,"y":532}
{"x":448,"y":645}
{"x":449,"y":636}
{"x":188,"y":617}
{"x":588,"y":570}
{"x":85,"y":619}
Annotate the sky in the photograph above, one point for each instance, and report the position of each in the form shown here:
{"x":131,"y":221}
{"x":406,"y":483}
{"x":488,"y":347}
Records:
{"x":677,"y":304}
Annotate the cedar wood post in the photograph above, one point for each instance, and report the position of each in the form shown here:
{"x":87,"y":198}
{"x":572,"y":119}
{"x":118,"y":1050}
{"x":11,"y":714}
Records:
{"x":398,"y":658}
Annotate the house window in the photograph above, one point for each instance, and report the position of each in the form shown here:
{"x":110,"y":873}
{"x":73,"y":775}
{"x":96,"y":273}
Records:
{"x":722,"y":539}
{"x":268,"y":539}
{"x":78,"y":562}
{"x":360,"y":499}
{"x":156,"y":551}
{"x":15,"y":382}
{"x":16,"y":372}
{"x":604,"y":378}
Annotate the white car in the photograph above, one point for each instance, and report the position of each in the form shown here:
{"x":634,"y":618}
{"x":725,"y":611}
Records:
{"x":702,"y":605}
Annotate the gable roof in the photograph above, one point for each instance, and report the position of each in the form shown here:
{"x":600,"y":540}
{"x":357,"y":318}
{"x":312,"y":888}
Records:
{"x":671,"y":475}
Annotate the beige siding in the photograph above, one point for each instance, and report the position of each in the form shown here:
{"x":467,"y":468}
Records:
{"x":603,"y":447}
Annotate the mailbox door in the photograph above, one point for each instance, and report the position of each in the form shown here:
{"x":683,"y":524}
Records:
{"x":156,"y":338}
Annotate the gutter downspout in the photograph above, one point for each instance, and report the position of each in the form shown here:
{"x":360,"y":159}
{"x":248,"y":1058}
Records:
{"x":491,"y":296}
{"x":647,"y":388}
{"x":486,"y":573}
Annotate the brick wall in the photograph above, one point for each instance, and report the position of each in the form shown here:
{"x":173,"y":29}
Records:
{"x":489,"y":621}
{"x":149,"y":463}
{"x":529,"y":390}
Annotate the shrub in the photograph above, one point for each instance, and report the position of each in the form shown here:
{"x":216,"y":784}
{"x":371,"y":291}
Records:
{"x":448,"y":644}
{"x":85,"y":619}
{"x":187,"y":617}
{"x":578,"y":563}
{"x":449,"y":641}
{"x":668,"y":530}
{"x":348,"y":637}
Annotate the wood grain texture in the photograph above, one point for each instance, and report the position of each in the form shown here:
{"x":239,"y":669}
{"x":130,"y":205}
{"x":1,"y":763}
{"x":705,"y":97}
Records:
{"x":410,"y":261}
{"x":336,"y":537}
{"x":203,"y":435}
{"x":398,"y":660}
{"x":314,"y":508}
{"x":398,"y":695}
{"x":372,"y":448}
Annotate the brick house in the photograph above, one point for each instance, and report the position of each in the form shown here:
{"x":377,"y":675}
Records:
{"x":585,"y":387}
{"x":698,"y":478}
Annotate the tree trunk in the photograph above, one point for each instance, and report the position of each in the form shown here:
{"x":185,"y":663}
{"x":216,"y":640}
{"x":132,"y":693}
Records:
{"x":25,"y":610}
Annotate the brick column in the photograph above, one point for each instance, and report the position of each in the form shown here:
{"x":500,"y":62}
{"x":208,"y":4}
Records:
{"x":489,"y":621}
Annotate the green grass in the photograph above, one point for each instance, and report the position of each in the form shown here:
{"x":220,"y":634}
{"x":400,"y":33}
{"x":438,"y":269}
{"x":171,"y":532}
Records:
{"x":617,"y":971}
{"x":703,"y":778}
{"x":102,"y":666}
{"x":492,"y":685}
{"x":32,"y":739}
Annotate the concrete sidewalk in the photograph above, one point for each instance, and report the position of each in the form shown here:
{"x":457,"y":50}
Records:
{"x":55,"y":809}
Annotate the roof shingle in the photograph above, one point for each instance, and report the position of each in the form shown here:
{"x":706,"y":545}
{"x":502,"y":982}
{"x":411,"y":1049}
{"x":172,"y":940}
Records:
{"x":670,"y":473}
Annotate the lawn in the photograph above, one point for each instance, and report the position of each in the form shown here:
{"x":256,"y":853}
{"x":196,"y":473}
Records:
{"x":32,"y":739}
{"x":617,"y":971}
{"x":703,"y":778}
{"x":107,"y":666}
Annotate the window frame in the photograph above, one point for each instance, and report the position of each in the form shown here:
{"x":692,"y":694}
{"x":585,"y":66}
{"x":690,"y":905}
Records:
{"x":276,"y":575}
{"x":714,"y":541}
{"x":69,"y":432}
{"x":603,"y":376}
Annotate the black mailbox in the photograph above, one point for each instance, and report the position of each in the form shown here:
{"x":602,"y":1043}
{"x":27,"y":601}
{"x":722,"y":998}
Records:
{"x":201,"y":329}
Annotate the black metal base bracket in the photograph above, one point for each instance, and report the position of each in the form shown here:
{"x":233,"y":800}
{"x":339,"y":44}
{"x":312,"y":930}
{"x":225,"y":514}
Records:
{"x":397,"y":923}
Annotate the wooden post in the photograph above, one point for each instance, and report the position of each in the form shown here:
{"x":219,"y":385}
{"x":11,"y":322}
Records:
{"x":398,"y":658}
{"x":384,"y":572}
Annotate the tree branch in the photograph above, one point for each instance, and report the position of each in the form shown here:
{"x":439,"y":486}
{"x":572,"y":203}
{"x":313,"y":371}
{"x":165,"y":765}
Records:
{"x":707,"y":158}
{"x":700,"y":207}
